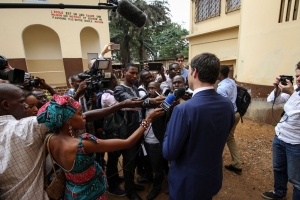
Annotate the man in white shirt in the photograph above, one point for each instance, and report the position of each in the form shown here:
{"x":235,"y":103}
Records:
{"x":174,"y":70}
{"x":286,"y":143}
{"x":21,"y":148}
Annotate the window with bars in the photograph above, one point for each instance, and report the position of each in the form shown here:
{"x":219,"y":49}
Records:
{"x":288,"y":11}
{"x":232,"y":5}
{"x":206,"y":9}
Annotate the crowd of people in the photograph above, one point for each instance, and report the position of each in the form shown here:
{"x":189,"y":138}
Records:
{"x":184,"y":143}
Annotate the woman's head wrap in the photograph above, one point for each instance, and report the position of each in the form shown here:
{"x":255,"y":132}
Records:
{"x":57,"y":111}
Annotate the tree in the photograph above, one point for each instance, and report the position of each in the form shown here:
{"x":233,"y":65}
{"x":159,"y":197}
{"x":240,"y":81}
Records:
{"x":136,"y":43}
{"x":169,"y":42}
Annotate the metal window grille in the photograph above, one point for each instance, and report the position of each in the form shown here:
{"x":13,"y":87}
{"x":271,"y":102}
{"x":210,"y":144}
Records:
{"x":35,"y":1}
{"x":232,"y":5}
{"x":206,"y":9}
{"x":288,"y":9}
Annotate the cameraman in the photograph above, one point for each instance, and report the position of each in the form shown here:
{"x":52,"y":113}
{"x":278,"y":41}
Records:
{"x":286,"y":143}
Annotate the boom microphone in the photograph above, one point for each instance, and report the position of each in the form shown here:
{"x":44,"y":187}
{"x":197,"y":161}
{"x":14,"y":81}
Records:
{"x":131,"y":13}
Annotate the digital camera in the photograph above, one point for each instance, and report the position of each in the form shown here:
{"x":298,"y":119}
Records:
{"x":283,"y":79}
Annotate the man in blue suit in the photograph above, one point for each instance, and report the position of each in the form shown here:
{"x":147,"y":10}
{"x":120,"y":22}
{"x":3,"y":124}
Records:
{"x":196,"y":134}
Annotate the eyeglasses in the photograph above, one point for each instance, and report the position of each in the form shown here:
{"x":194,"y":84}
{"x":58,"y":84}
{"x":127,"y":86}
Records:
{"x":180,"y":60}
{"x":175,"y":69}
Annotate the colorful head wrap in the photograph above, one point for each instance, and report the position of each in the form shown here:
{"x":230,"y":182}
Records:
{"x":57,"y":111}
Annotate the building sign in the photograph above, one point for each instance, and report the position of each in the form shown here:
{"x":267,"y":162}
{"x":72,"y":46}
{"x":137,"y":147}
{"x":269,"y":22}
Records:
{"x":76,"y":17}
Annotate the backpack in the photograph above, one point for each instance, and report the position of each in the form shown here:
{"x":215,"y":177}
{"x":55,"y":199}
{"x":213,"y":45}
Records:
{"x":243,"y":101}
{"x":110,"y":123}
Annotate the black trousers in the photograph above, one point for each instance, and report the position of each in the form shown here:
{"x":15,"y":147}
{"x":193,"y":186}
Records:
{"x":112,"y":169}
{"x":129,"y":157}
{"x":154,"y":152}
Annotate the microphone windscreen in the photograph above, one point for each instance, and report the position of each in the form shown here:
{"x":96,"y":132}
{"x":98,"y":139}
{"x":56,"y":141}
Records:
{"x":131,"y":13}
{"x":167,"y":92}
{"x":179,"y":93}
{"x":166,"y":104}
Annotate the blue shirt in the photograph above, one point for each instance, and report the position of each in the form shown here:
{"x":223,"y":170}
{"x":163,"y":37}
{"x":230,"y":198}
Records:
{"x":227,"y":88}
{"x":184,"y":73}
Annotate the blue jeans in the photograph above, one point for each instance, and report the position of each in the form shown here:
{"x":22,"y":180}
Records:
{"x":286,"y":166}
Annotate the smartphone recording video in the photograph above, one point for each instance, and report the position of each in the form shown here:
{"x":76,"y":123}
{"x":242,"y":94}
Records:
{"x":115,"y":46}
{"x":155,"y":66}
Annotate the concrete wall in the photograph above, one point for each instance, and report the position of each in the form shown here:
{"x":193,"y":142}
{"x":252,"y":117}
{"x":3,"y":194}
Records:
{"x":257,"y":46}
{"x":266,"y":48}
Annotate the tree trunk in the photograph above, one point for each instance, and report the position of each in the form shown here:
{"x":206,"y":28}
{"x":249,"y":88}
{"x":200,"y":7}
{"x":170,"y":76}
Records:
{"x":125,"y":51}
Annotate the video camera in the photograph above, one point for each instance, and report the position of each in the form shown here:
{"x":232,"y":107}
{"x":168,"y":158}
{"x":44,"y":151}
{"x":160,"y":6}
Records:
{"x":283,"y":79}
{"x":14,"y":76}
{"x":96,"y":79}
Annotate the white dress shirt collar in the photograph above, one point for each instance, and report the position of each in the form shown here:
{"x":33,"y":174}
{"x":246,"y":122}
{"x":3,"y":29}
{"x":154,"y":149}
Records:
{"x":201,"y":89}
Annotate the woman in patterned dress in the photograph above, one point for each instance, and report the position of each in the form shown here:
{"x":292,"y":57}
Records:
{"x":84,"y":176}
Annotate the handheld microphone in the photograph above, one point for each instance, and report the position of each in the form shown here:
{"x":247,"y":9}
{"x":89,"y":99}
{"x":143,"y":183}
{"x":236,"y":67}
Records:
{"x":131,"y":13}
{"x":166,"y":104}
{"x":179,"y":93}
{"x":167,"y":92}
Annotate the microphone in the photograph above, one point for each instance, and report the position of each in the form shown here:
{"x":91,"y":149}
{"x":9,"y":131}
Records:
{"x":131,"y":13}
{"x":167,"y":92}
{"x":180,"y":92}
{"x":166,"y":104}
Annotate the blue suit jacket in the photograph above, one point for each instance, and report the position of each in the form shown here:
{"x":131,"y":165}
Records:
{"x":194,"y":143}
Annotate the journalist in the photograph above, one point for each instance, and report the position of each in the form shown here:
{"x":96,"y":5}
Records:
{"x":286,"y":143}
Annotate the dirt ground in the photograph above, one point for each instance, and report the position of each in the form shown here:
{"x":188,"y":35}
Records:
{"x":255,"y":145}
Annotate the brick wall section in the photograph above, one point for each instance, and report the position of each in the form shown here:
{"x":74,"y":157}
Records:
{"x":58,"y":90}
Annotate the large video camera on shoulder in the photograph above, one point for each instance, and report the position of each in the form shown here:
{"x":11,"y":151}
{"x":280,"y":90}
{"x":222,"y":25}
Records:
{"x":97,"y":80}
{"x":16,"y":76}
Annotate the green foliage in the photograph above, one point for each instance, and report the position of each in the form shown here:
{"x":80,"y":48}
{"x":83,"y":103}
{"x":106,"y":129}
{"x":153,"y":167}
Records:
{"x":159,"y":38}
{"x":169,"y":42}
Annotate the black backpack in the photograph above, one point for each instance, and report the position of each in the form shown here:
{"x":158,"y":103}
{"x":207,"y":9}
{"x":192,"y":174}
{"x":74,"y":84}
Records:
{"x":243,"y":101}
{"x":110,"y":123}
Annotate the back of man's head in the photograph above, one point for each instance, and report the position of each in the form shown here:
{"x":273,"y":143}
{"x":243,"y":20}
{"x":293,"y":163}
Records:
{"x":143,"y":73}
{"x":3,"y":62}
{"x":207,"y":66}
{"x":12,"y":101}
{"x":224,"y":70}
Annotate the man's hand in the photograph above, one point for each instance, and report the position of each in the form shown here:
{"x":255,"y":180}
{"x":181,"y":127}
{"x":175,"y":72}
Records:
{"x":157,"y":100}
{"x":162,"y":70}
{"x":42,"y":83}
{"x":80,"y":90}
{"x":107,"y":48}
{"x":289,"y":89}
{"x":276,"y":82}
{"x":93,"y":98}
{"x":82,"y":86}
{"x":132,"y":103}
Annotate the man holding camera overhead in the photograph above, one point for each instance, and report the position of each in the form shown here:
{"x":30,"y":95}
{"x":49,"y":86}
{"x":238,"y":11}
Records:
{"x":286,"y":143}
